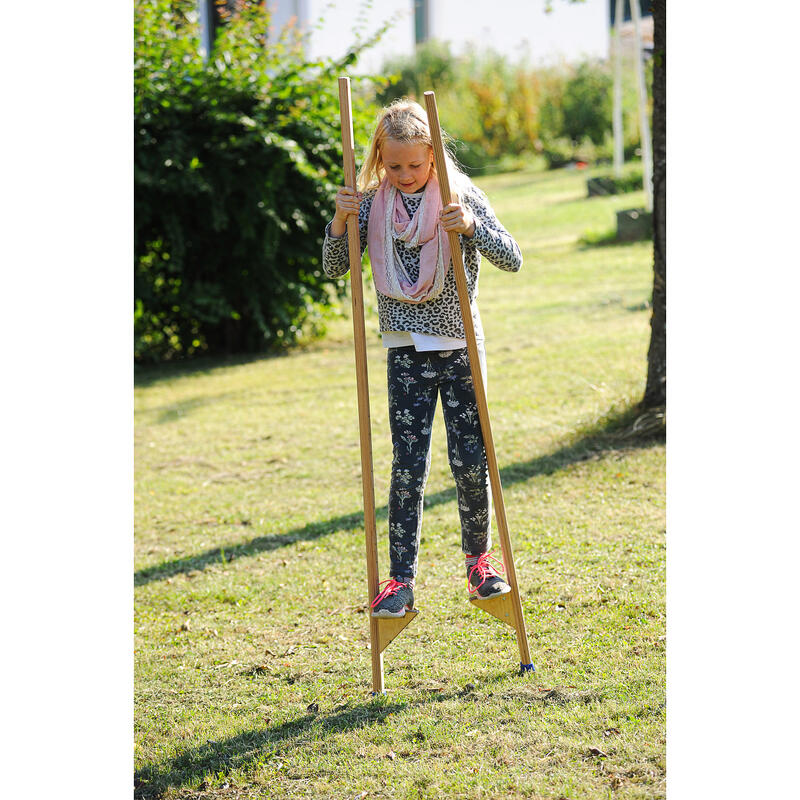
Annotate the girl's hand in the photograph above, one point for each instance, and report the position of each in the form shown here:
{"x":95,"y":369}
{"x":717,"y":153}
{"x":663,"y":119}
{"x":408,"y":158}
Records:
{"x":458,"y":218}
{"x":348,"y":201}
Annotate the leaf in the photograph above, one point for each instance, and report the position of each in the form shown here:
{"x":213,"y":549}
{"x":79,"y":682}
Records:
{"x":596,"y":752}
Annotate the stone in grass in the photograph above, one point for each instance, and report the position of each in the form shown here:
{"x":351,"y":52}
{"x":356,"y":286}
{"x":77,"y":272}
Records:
{"x":600,"y":186}
{"x":634,"y":225}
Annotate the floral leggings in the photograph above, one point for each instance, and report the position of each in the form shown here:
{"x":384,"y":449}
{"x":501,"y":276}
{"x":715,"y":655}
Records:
{"x":415,"y":380}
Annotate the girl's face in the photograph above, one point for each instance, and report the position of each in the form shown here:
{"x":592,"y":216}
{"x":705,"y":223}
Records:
{"x":407,"y":165}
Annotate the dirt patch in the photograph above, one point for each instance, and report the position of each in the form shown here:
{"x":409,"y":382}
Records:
{"x":557,"y":696}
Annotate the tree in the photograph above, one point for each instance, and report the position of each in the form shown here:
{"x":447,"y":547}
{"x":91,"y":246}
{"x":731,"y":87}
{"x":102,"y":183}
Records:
{"x":655,"y":393}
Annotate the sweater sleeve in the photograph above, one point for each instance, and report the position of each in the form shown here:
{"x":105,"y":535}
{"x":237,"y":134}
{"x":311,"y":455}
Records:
{"x":335,"y":255}
{"x":491,"y":238}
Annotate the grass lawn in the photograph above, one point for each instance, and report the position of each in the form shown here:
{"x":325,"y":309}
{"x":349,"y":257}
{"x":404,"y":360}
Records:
{"x":252,"y":663}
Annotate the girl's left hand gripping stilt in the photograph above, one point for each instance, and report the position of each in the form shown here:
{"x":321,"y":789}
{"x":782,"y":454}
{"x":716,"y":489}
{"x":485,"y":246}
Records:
{"x":457,"y":218}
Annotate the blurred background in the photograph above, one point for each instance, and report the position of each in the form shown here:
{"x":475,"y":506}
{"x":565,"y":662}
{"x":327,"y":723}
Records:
{"x":237,"y":143}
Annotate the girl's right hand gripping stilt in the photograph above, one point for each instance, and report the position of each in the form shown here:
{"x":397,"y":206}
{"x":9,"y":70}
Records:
{"x":348,"y":202}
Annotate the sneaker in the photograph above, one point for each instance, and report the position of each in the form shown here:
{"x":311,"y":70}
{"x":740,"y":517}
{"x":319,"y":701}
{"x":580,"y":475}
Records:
{"x":484,"y":579}
{"x":395,"y":599}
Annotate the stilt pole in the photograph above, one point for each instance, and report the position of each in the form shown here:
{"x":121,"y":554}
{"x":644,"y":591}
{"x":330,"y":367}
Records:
{"x":381,"y":631}
{"x":517,"y":620}
{"x":644,"y":118}
{"x":619,"y":131}
{"x":362,"y":384}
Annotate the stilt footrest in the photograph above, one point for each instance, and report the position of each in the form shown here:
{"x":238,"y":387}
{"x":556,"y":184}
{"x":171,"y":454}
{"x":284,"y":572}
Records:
{"x":390,"y":627}
{"x":499,"y":606}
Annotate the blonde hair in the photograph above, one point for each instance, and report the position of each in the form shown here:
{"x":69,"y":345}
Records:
{"x":406,"y":121}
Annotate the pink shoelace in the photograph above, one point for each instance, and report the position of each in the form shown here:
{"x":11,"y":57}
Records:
{"x":485,"y":570}
{"x":392,"y":588}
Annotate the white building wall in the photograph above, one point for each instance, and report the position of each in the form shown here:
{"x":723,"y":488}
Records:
{"x":516,"y":27}
{"x":521,"y":27}
{"x":284,"y":10}
{"x":345,"y":20}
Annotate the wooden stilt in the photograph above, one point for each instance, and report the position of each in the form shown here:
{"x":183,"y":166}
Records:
{"x":381,"y":631}
{"x":362,"y":384}
{"x":491,"y":605}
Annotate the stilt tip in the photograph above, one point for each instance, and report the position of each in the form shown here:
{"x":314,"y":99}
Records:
{"x":523,"y":668}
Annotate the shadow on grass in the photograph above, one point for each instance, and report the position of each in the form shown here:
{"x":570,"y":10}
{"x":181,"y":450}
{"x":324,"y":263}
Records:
{"x":606,"y":238}
{"x":247,"y":750}
{"x":256,"y":746}
{"x":618,"y":431}
{"x":173,"y":411}
{"x":150,"y":374}
{"x":260,"y":544}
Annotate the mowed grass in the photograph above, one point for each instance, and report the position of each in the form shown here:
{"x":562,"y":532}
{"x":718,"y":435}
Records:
{"x":252,"y":663}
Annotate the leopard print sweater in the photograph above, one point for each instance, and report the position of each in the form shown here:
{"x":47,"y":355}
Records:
{"x":442,"y":315}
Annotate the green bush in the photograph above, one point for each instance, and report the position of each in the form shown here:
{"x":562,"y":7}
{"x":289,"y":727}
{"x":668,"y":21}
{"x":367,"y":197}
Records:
{"x":562,"y":151}
{"x":502,"y":113}
{"x":497,"y":110}
{"x":551,"y":108}
{"x":587,"y":102}
{"x":432,"y":67}
{"x":485,"y":102}
{"x":236,"y":164}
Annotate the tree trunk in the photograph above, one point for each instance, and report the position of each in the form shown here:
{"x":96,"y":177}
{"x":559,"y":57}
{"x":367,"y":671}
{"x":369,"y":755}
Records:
{"x":655,"y":393}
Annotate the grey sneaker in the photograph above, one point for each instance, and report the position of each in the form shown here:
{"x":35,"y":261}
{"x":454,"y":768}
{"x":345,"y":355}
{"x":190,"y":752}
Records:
{"x":395,"y":599}
{"x":485,"y":580}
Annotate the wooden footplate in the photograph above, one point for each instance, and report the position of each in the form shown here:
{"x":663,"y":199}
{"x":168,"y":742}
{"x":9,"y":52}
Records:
{"x":501,"y":607}
{"x":390,"y":627}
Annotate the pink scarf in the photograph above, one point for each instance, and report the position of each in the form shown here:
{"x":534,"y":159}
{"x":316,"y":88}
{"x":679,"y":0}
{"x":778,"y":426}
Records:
{"x":389,"y":220}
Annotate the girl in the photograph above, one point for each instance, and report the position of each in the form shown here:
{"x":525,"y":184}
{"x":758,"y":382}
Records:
{"x":402,"y":222}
